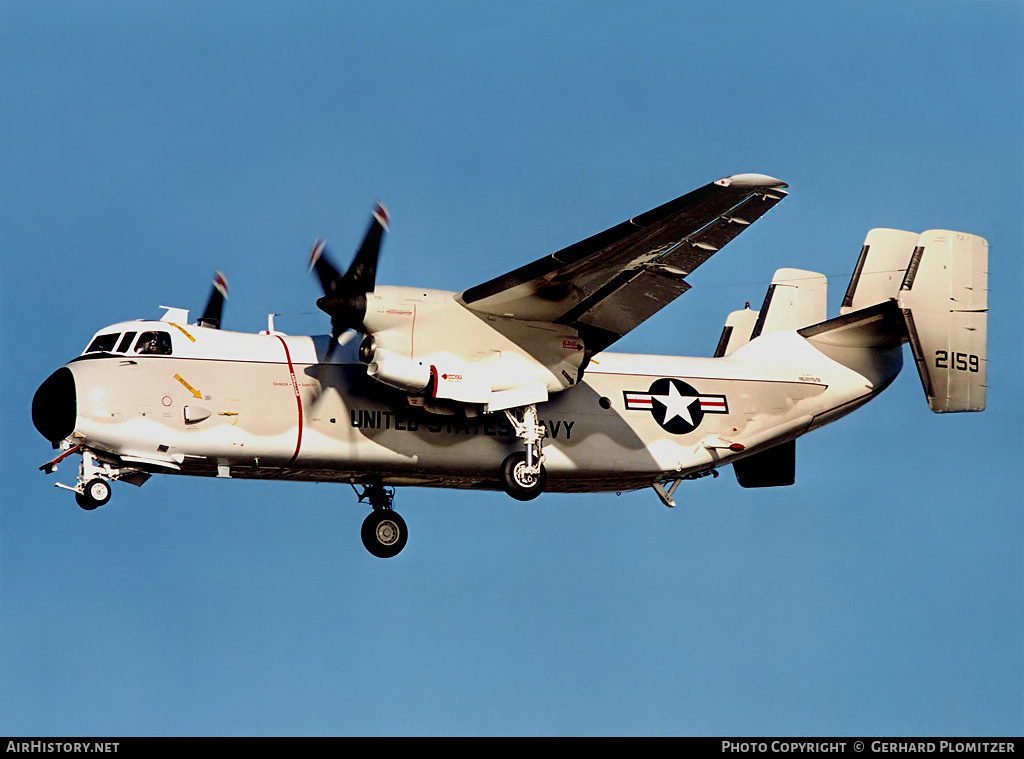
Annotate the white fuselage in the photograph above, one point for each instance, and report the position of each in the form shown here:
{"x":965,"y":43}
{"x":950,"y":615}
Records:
{"x":266,"y":406}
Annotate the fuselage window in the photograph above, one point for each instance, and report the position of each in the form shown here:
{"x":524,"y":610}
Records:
{"x":154,"y":343}
{"x":103,"y":343}
{"x":126,"y":342}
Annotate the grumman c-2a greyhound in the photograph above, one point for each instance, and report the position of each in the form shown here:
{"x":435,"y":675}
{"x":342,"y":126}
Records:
{"x":509,"y":384}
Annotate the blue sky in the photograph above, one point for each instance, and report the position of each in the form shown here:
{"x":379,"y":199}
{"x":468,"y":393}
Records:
{"x":145,"y":145}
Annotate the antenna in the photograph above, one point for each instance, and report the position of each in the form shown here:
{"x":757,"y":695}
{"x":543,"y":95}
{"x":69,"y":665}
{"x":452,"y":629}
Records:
{"x":270,"y":326}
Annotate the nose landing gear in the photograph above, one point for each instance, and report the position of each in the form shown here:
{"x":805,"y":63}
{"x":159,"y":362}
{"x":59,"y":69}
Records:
{"x":92,"y":489}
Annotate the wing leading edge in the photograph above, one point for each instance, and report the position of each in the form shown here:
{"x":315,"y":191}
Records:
{"x":610,"y":283}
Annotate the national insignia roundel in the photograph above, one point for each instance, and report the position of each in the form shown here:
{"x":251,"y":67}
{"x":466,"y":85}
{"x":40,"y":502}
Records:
{"x":676,"y":405}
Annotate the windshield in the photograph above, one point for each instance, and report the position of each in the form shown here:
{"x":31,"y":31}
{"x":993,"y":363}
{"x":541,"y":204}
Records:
{"x":154,"y":343}
{"x":103,"y":343}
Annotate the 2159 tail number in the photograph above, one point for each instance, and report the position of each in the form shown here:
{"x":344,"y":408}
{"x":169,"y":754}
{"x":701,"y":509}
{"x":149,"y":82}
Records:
{"x":964,"y":362}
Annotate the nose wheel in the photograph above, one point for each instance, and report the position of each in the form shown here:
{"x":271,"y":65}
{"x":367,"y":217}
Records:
{"x":95,"y":493}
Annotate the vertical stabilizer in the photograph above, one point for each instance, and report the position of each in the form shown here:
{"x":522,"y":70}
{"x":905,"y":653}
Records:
{"x":880,"y":269}
{"x":738,"y":327}
{"x":795,"y":299}
{"x":944,"y":299}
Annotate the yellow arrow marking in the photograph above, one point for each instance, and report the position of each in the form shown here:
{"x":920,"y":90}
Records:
{"x":194,"y":392}
{"x":183,"y":331}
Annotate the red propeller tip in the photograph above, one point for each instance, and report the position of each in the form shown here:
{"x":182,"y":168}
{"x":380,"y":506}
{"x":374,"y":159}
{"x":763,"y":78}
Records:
{"x":221,"y":283}
{"x":380,"y":213}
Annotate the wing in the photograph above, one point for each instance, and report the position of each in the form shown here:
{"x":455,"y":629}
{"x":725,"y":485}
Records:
{"x":608,"y":284}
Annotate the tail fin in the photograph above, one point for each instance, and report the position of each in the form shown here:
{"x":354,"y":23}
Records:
{"x":939,"y":282}
{"x":880,"y":268}
{"x":944,"y":300}
{"x":795,"y":299}
{"x":738,"y":326}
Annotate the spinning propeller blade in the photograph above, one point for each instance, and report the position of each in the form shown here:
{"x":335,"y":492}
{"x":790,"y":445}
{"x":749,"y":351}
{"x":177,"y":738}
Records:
{"x":344,"y":298}
{"x":215,"y":305}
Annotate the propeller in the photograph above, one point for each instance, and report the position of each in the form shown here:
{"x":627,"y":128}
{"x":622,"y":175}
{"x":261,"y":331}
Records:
{"x":344,"y":298}
{"x":215,"y":305}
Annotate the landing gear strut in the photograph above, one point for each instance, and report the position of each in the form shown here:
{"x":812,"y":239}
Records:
{"x":384,"y":532}
{"x":93,"y":487}
{"x":522,"y":474}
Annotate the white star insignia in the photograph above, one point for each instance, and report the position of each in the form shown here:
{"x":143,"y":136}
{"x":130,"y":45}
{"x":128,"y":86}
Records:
{"x":676,"y":405}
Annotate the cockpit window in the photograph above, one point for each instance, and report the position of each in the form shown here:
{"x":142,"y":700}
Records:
{"x":126,"y":342}
{"x":154,"y":343}
{"x":103,"y":343}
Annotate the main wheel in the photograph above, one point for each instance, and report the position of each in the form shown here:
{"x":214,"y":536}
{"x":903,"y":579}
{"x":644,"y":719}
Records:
{"x":95,"y":494}
{"x":384,"y":533}
{"x":519,"y":481}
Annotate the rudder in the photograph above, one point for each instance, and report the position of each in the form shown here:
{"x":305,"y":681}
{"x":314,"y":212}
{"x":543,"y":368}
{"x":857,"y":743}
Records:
{"x":944,"y":300}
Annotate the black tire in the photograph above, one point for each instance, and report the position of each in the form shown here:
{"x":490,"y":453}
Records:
{"x":95,"y":494}
{"x":518,"y":482}
{"x":384,"y":533}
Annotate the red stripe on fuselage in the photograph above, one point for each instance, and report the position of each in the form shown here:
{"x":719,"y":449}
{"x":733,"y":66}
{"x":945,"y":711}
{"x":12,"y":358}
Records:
{"x":298,"y":399}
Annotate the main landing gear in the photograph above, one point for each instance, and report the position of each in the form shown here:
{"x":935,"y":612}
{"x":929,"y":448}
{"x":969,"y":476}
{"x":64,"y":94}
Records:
{"x":522,"y":474}
{"x":384,"y":532}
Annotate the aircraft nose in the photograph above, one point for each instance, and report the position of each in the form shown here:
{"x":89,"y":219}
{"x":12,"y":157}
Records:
{"x":55,"y":406}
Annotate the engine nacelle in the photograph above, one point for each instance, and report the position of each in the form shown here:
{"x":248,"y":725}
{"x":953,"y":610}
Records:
{"x":397,"y":371}
{"x":426,"y":344}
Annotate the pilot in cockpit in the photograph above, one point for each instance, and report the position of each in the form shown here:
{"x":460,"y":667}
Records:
{"x":154,"y":343}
